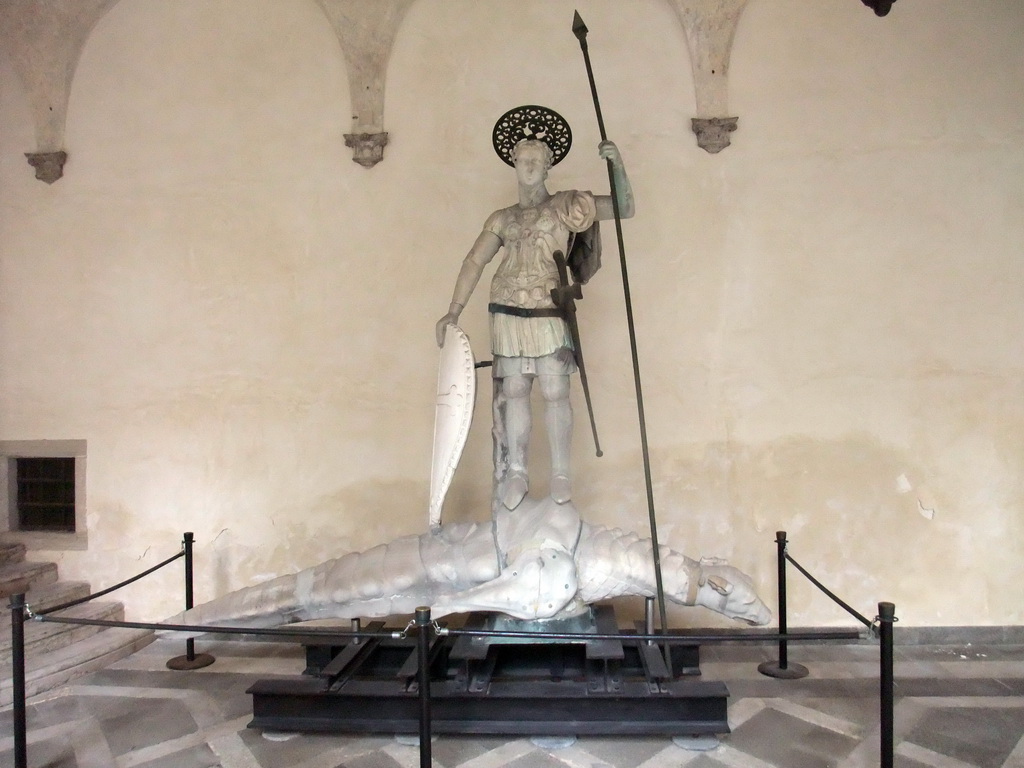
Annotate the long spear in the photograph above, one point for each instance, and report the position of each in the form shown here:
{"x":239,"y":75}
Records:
{"x":580,"y":30}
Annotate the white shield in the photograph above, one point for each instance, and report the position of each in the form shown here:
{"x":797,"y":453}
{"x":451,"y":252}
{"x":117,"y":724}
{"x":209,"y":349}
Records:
{"x":456,"y":396}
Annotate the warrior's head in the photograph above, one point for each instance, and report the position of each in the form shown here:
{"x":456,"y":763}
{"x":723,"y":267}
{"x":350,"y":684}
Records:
{"x":549,"y":156}
{"x":532,"y":159}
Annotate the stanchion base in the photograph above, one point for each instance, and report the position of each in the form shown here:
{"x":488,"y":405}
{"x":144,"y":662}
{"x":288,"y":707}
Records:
{"x":279,"y":736}
{"x":697,"y":743}
{"x":412,"y":739}
{"x":553,"y":742}
{"x":184,"y":663}
{"x":791,"y":671}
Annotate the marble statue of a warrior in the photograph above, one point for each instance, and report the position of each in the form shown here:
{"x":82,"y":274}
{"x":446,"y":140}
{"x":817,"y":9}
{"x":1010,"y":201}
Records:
{"x":536,"y":559}
{"x":530,"y":339}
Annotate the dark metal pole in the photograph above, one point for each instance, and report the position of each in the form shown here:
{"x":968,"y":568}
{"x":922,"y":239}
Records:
{"x":564,"y":297}
{"x":580,"y":30}
{"x":780,"y":543}
{"x":886,"y":618}
{"x":18,"y":679}
{"x":781,"y":669}
{"x":423,"y":627}
{"x":190,"y":644}
{"x":190,"y":660}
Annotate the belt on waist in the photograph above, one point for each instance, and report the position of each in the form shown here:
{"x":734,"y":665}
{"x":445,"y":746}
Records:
{"x":504,"y":309}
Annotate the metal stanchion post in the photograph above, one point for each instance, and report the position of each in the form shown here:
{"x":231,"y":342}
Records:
{"x":782,"y":668}
{"x":18,"y":680}
{"x":423,"y":627}
{"x":886,"y":618}
{"x":190,"y":660}
{"x":190,"y":644}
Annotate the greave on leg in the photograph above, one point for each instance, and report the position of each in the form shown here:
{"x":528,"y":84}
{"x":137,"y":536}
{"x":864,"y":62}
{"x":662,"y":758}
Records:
{"x":558,"y":421}
{"x":518,"y":423}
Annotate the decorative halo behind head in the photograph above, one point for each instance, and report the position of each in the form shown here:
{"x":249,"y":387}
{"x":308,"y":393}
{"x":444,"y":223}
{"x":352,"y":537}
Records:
{"x":531,"y":122}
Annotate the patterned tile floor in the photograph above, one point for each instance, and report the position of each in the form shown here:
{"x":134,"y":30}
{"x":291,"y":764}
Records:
{"x":956,"y":707}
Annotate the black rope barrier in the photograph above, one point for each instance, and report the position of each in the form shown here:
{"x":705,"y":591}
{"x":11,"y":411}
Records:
{"x":20,"y":611}
{"x":866,"y":622}
{"x":216,"y":629}
{"x":427,"y":630}
{"x":108,"y":590}
{"x":680,"y":638}
{"x":753,"y":636}
{"x":881,"y":628}
{"x":782,"y":669}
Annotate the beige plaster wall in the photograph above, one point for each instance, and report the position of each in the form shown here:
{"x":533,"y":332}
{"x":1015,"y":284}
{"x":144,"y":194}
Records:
{"x":239,"y":319}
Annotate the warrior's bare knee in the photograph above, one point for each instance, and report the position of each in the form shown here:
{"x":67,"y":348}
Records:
{"x":516,"y":386}
{"x":554,"y":388}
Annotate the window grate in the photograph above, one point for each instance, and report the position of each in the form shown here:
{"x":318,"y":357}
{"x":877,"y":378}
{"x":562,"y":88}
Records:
{"x":46,"y":494}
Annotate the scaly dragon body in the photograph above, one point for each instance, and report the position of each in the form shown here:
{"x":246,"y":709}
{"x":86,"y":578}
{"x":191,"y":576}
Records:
{"x":539,"y":562}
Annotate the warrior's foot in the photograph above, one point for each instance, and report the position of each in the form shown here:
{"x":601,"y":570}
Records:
{"x":515,"y":490}
{"x":561,"y":489}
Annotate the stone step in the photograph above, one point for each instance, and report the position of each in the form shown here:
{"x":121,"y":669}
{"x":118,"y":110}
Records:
{"x":16,"y":578}
{"x":42,"y":636}
{"x":46,"y":671}
{"x":47,"y":596}
{"x":58,"y":653}
{"x":12,"y":552}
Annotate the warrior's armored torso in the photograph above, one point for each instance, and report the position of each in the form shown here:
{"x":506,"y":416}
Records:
{"x":527,"y":272}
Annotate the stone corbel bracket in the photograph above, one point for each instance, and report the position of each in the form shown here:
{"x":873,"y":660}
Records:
{"x":366,"y":30}
{"x":710,"y":27}
{"x":44,"y":39}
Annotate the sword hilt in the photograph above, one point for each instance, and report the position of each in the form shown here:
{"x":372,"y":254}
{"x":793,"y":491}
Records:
{"x":565,"y":295}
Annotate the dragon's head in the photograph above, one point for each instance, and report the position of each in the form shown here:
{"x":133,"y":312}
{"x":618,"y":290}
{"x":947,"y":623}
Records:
{"x":729,"y":591}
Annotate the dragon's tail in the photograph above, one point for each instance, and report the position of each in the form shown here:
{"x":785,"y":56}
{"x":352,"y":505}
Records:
{"x":387,"y":580}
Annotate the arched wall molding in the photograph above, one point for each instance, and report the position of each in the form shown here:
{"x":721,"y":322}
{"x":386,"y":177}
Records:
{"x":710,"y":27}
{"x":44,"y":39}
{"x":366,"y":30}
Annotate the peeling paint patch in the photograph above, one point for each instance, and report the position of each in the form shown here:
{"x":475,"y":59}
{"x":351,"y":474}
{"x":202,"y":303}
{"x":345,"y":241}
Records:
{"x":926,"y":513}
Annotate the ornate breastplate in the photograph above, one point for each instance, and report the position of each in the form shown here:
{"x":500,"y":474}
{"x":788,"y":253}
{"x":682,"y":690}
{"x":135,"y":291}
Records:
{"x":527,"y":272}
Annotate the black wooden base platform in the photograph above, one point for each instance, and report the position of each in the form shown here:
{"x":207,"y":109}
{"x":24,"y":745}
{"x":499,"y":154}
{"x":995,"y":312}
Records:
{"x":498,"y":686}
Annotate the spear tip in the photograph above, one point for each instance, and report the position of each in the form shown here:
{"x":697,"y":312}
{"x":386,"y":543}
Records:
{"x":578,"y":27}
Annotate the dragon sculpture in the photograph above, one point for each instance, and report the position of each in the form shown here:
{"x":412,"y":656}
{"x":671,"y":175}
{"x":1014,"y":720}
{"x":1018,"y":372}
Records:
{"x":536,"y":563}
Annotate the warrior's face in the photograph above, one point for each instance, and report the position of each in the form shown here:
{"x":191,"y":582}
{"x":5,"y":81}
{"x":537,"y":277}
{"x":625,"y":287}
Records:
{"x":532,"y":160}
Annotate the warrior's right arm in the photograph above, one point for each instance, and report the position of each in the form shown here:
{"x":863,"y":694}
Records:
{"x":483,"y":250}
